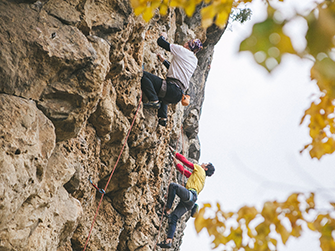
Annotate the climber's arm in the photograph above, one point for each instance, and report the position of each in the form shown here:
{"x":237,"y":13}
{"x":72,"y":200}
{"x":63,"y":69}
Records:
{"x":182,"y":170}
{"x":163,"y":43}
{"x":166,"y":64}
{"x":163,"y":60}
{"x":181,"y":158}
{"x":184,"y":160}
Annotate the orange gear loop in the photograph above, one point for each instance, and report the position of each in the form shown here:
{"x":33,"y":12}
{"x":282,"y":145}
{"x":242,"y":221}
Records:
{"x":110,"y":177}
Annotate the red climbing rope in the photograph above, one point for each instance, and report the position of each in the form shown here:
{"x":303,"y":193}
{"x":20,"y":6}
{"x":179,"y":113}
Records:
{"x":110,"y":177}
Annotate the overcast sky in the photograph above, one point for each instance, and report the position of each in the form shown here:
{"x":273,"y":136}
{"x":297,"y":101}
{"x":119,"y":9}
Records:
{"x":249,"y":130}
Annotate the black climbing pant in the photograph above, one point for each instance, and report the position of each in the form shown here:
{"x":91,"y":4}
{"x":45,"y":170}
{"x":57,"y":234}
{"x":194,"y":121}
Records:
{"x":187,"y":201}
{"x":151,"y":84}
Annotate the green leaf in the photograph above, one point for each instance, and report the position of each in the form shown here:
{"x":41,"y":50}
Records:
{"x":268,"y":42}
{"x":321,"y":31}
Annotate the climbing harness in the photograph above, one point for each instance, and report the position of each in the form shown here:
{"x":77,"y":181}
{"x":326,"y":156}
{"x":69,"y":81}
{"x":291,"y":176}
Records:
{"x":99,"y":189}
{"x":110,"y":177}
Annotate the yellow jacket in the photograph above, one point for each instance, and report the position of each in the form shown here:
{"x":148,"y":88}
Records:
{"x":197,"y":179}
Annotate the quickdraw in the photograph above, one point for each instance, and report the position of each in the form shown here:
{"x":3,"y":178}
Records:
{"x":99,"y":189}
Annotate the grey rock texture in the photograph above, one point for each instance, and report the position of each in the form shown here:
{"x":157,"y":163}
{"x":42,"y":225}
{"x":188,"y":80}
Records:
{"x":69,"y":88}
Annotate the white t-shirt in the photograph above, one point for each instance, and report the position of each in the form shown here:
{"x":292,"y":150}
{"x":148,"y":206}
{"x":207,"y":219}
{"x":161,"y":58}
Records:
{"x":183,"y":65}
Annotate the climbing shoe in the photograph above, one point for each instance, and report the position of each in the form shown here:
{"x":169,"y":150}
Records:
{"x":159,"y":213}
{"x":152,"y":104}
{"x":194,"y":210}
{"x":162,"y":121}
{"x":165,"y":244}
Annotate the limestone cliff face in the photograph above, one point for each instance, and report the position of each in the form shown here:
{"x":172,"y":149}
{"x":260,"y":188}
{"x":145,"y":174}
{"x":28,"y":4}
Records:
{"x":70,"y":75}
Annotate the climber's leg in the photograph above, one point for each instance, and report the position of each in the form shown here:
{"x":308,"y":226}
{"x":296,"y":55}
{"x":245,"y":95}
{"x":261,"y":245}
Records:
{"x":162,"y":114}
{"x":183,"y":206}
{"x":151,"y":85}
{"x":174,"y":189}
{"x":173,"y":95}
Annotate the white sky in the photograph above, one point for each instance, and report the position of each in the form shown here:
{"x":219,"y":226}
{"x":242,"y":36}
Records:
{"x":249,"y":130}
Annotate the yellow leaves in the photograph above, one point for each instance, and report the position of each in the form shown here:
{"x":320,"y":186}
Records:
{"x":268,"y":42}
{"x":147,"y":8}
{"x":322,"y":127}
{"x":249,"y":229}
{"x":200,"y":222}
{"x":219,"y":9}
{"x":188,"y":5}
{"x":320,"y":40}
{"x":213,"y":225}
{"x":148,"y":14}
{"x":325,"y":225}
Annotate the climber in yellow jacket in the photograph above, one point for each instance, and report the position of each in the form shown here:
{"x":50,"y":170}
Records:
{"x":188,"y":195}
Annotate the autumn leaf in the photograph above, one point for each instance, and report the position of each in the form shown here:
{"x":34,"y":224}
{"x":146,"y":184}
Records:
{"x":268,"y":42}
{"x":247,"y":213}
{"x":263,"y":229}
{"x":321,"y":127}
{"x":282,"y":231}
{"x":148,"y":14}
{"x":269,"y":211}
{"x":190,"y":8}
{"x":292,"y":201}
{"x":296,"y":231}
{"x":273,"y":241}
{"x":311,"y":203}
{"x":311,"y":226}
{"x":236,"y":236}
{"x":323,"y":72}
{"x":219,"y":9}
{"x":163,"y":9}
{"x":321,"y":31}
{"x":200,"y":222}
